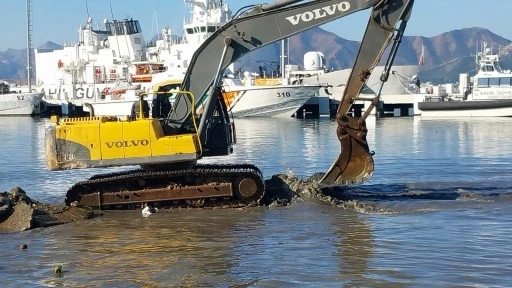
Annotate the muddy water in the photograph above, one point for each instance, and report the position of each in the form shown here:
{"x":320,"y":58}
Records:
{"x":436,"y":213}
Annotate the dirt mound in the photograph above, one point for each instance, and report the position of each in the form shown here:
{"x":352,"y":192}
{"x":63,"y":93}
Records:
{"x":284,"y":189}
{"x":19,"y":213}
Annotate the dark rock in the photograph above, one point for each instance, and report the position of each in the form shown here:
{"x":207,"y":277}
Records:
{"x":20,"y":219}
{"x":17,"y":194}
{"x":5,"y":205}
{"x":279,"y":190}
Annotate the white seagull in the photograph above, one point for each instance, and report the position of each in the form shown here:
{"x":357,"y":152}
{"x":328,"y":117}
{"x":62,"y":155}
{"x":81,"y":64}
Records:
{"x":148,"y":210}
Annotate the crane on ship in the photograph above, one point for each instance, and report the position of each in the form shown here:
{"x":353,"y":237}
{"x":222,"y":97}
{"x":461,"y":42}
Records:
{"x":168,"y":147}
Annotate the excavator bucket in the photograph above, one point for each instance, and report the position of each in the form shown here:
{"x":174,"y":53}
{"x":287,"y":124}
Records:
{"x":355,"y":164}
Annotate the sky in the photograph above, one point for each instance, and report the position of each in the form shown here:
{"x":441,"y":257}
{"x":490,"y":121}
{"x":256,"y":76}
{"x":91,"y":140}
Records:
{"x":59,"y":20}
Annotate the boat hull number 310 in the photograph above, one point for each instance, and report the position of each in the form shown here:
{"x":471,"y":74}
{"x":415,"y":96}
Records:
{"x":319,"y":13}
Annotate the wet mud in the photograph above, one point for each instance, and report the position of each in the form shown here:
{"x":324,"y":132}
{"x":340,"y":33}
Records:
{"x":18,"y":212}
{"x":285,"y":189}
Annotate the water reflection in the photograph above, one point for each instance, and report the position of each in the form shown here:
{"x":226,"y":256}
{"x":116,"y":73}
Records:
{"x":355,"y":248}
{"x":479,"y":137}
{"x":177,"y":248}
{"x":428,"y":173}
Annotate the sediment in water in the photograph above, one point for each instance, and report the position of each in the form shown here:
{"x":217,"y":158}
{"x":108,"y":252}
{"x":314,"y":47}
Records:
{"x":285,"y":189}
{"x":18,"y":212}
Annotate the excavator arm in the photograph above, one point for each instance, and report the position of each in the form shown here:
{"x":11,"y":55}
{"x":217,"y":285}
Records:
{"x":266,"y":24}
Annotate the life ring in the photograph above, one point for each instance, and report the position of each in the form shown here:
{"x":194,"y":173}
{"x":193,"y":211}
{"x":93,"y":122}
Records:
{"x":60,"y":64}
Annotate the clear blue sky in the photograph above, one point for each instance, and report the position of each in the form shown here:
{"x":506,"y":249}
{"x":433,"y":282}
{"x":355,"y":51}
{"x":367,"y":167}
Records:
{"x":59,"y":20}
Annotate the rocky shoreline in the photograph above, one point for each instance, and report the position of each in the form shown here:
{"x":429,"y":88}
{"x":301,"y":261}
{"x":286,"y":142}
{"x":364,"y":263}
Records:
{"x":18,"y":212}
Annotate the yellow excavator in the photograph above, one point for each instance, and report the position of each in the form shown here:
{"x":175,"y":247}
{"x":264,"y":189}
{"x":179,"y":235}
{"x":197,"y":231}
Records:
{"x":168,"y":145}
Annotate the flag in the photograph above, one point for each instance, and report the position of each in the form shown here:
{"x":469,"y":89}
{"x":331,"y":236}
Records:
{"x":422,"y":56}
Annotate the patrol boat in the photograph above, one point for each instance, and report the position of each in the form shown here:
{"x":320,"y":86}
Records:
{"x":18,"y":104}
{"x":487,"y":94}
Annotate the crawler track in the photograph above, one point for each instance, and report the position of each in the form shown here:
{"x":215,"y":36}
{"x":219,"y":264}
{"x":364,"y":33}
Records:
{"x":207,"y":185}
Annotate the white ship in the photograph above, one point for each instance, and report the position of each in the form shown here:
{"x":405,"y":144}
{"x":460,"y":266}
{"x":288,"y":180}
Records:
{"x":103,"y":61}
{"x":18,"y":104}
{"x":89,"y":70}
{"x":280,"y":100}
{"x":487,"y":94}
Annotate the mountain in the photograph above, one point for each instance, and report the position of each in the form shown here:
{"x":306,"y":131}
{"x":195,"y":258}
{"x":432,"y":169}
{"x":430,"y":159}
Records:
{"x":50,"y":46}
{"x":446,"y":55}
{"x":13,"y":62}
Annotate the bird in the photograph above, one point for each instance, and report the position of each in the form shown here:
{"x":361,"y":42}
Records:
{"x":148,"y":210}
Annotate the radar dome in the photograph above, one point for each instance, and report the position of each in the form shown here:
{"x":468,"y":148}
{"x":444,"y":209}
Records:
{"x":313,"y":60}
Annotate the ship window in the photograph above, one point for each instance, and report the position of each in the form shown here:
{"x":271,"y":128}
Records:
{"x":109,"y":28}
{"x":196,"y":29}
{"x":119,"y":28}
{"x":190,"y":31}
{"x":483,"y":82}
{"x":133,"y":27}
{"x":130,"y":28}
{"x":505,"y":81}
{"x":494,"y":81}
{"x":114,"y":53}
{"x":126,"y":28}
{"x":211,"y":29}
{"x":203,"y":29}
{"x":488,"y":68}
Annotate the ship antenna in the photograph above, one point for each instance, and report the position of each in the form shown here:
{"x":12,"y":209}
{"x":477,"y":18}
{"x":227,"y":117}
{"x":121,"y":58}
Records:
{"x":87,"y":9}
{"x":111,"y":12}
{"x":115,"y":30}
{"x":29,"y":45}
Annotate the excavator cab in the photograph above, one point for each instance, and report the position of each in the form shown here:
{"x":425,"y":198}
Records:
{"x":165,"y":92}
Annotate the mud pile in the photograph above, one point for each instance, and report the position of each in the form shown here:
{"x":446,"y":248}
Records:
{"x":285,"y":189}
{"x":19,"y":213}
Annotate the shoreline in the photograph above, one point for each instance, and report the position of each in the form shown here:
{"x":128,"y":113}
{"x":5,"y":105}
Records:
{"x":18,"y":212}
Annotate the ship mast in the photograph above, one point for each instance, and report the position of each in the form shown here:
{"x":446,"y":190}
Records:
{"x":29,"y":45}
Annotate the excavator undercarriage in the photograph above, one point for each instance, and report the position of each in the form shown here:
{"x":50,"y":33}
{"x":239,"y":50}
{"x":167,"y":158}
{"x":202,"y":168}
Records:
{"x":206,"y":185}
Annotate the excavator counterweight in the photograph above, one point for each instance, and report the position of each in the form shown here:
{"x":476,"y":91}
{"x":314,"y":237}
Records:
{"x":169,"y":144}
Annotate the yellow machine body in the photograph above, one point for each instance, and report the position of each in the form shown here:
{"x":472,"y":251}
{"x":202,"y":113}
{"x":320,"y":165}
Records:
{"x":108,"y":141}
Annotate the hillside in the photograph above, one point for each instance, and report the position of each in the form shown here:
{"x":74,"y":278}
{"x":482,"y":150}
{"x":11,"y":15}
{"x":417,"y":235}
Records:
{"x":13,"y":62}
{"x":446,"y":55}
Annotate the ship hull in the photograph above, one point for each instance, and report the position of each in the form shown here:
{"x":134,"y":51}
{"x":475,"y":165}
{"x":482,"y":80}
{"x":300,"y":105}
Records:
{"x":500,"y":108}
{"x":269,"y":101}
{"x":20,"y":104}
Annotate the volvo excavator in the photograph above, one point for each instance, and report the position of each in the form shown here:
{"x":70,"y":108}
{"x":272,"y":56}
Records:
{"x":167,"y":147}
